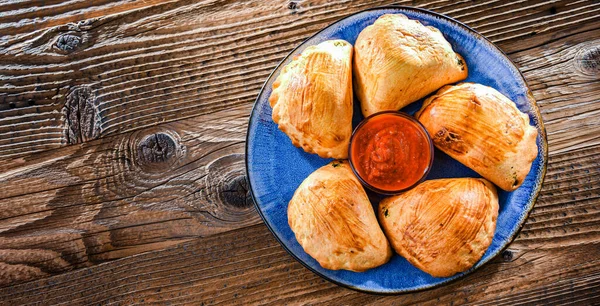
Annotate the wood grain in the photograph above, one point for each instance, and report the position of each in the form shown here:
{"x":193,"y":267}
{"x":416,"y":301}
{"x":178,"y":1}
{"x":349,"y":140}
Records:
{"x":123,"y":195}
{"x":146,"y":62}
{"x":122,"y":128}
{"x":248,"y":266}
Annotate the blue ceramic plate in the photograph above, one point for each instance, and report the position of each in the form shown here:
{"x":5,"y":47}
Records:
{"x":275,"y":167}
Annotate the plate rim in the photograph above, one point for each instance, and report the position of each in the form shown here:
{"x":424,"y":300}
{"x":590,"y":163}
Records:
{"x":509,"y":240}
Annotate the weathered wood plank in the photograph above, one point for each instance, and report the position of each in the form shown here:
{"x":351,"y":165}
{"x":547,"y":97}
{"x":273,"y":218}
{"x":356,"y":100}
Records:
{"x":249,"y":267}
{"x":74,"y":72}
{"x":151,"y":188}
{"x":564,"y":76}
{"x":123,"y":195}
{"x":133,"y":183}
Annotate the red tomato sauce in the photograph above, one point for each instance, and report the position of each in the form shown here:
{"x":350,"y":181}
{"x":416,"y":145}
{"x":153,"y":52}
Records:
{"x":390,"y":152}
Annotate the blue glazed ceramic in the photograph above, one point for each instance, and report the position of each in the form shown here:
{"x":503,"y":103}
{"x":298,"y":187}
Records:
{"x":275,"y":168}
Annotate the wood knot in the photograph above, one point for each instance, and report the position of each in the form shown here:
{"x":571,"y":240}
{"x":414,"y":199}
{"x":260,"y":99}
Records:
{"x":507,"y":255}
{"x":68,"y":42}
{"x":588,"y":61}
{"x":65,"y":39}
{"x":83,"y":121}
{"x":228,"y":186}
{"x":158,"y":151}
{"x":135,"y":163}
{"x":236,"y":192}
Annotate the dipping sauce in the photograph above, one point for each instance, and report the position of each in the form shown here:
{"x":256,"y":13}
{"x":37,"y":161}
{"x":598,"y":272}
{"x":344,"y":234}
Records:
{"x":390,"y":152}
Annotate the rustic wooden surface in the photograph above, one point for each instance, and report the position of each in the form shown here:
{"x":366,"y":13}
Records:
{"x":122,"y":129}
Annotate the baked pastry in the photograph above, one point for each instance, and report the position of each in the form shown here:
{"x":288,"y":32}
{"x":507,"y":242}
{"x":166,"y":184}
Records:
{"x":312,"y":99}
{"x":443,"y":226}
{"x":398,"y":61}
{"x":334,"y":221}
{"x":482,"y":129}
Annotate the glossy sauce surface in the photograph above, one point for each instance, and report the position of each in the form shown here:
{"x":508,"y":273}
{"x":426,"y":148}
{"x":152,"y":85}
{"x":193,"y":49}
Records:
{"x":390,"y":152}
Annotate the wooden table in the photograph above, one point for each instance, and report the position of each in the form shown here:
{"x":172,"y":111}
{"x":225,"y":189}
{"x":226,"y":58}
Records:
{"x":122,"y":129}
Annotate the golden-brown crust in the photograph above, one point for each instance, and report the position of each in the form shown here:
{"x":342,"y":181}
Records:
{"x":334,"y":221}
{"x":482,"y":129}
{"x":398,"y":61}
{"x":312,"y":99}
{"x":443,"y":226}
